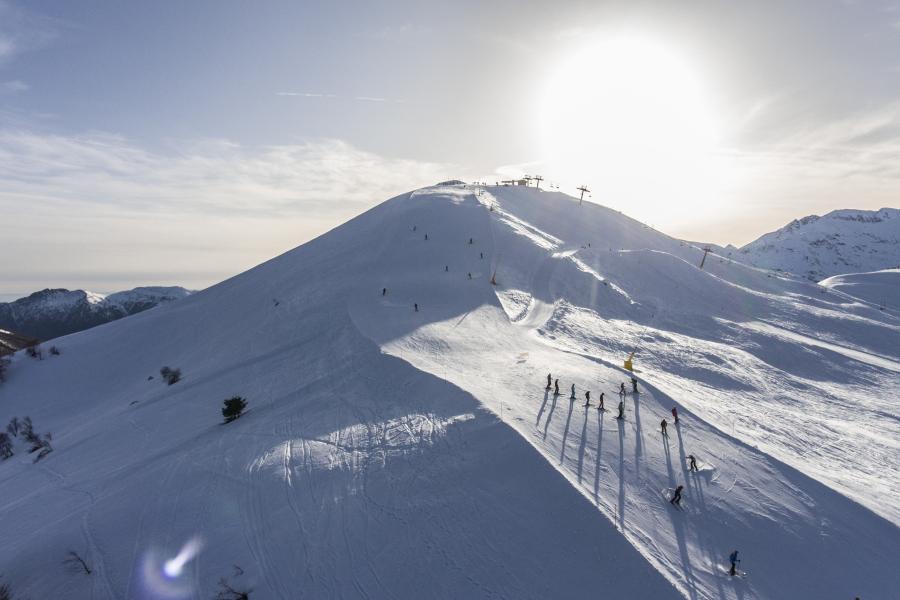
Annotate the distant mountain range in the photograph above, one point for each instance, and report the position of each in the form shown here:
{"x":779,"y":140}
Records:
{"x":814,"y":247}
{"x":11,"y":342}
{"x":52,"y":313}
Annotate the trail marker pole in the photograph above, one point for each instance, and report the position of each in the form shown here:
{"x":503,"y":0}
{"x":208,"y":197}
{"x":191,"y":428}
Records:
{"x":706,"y":250}
{"x":582,"y":189}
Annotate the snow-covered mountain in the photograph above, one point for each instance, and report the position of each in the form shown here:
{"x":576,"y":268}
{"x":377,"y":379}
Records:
{"x":399,"y":441}
{"x":52,"y":313}
{"x":843,"y":241}
{"x":11,"y":342}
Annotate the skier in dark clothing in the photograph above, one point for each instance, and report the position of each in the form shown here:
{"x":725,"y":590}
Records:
{"x":416,"y":307}
{"x":634,"y":385}
{"x":693,"y":463}
{"x":572,"y":396}
{"x":470,"y":241}
{"x":383,"y":291}
{"x":587,"y":398}
{"x":676,"y":497}
{"x":622,"y":389}
{"x":675,"y":414}
{"x":734,"y":561}
{"x":426,"y":237}
{"x":600,"y":406}
{"x":446,"y":268}
{"x":549,"y":381}
{"x":470,"y":276}
{"x":556,"y":388}
{"x":481,"y":255}
{"x":621,"y":410}
{"x":663,"y":426}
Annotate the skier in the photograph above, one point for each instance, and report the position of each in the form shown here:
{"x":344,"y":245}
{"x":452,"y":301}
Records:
{"x":470,"y":241}
{"x":675,"y":414}
{"x":384,"y":291}
{"x":600,"y":406}
{"x":481,"y":255}
{"x":587,"y":398}
{"x":416,"y":306}
{"x":621,"y":410}
{"x":446,"y":268}
{"x":622,"y":391}
{"x":426,"y":237}
{"x":470,"y":276}
{"x":634,"y":385}
{"x":549,"y":381}
{"x":572,"y":397}
{"x":556,"y":387}
{"x":663,"y":426}
{"x":693,"y":461}
{"x":676,"y":497}
{"x":734,"y":561}
{"x":414,"y":227}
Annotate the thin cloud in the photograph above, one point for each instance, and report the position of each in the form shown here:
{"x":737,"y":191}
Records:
{"x":13,"y":87}
{"x":357,"y":98}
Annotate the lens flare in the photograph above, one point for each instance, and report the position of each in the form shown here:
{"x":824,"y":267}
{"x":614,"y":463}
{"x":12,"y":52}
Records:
{"x":173,"y":567}
{"x":167,"y":577}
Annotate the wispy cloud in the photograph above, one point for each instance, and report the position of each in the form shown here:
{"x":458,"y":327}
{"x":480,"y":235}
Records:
{"x":357,"y":98}
{"x":306,"y":94}
{"x":99,"y":210}
{"x":22,"y":31}
{"x":13,"y":87}
{"x":200,"y":176}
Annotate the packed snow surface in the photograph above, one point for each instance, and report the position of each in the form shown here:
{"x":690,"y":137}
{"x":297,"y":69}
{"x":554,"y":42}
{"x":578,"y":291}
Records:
{"x":390,"y":452}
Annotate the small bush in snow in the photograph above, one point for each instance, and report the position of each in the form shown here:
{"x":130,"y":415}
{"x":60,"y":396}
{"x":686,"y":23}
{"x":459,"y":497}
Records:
{"x":27,"y":430}
{"x":54,"y":350}
{"x":226,"y":592}
{"x":5,"y":592}
{"x":234,"y":408}
{"x":13,"y":427}
{"x":43,"y":447}
{"x":35,"y":352}
{"x":76,"y":564}
{"x":5,"y":446}
{"x":170,"y":376}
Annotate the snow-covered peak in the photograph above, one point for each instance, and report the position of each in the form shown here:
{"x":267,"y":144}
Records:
{"x":51,"y":313}
{"x":842,"y":241}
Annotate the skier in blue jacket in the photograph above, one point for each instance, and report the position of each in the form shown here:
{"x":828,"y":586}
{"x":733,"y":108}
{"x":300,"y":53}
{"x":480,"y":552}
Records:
{"x":734,"y":561}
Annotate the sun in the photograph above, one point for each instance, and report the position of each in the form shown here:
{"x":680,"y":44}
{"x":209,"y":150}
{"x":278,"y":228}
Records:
{"x":629,"y":116}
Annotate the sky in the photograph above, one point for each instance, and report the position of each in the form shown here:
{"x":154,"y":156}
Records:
{"x":180,"y":143}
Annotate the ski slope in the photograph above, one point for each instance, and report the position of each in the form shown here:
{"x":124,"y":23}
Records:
{"x":389,"y":453}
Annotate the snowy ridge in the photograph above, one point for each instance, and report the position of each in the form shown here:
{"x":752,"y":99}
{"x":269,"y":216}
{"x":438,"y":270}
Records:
{"x":52,"y":313}
{"x":395,"y":453}
{"x":843,"y":241}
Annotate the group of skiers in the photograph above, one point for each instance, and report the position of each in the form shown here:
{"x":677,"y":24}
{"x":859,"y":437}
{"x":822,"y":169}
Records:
{"x":446,"y":269}
{"x":692,"y":460}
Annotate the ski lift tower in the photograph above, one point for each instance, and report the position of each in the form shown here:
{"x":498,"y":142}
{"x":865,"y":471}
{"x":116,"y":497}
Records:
{"x":583,"y":189}
{"x":706,"y":250}
{"x":538,"y":179}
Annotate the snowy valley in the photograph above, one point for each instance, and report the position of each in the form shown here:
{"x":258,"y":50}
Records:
{"x":399,"y":440}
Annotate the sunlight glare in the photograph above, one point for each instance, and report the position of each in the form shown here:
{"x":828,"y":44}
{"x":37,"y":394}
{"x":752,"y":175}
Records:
{"x":630,"y":117}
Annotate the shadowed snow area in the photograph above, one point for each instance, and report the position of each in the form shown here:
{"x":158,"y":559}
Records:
{"x":389,"y":453}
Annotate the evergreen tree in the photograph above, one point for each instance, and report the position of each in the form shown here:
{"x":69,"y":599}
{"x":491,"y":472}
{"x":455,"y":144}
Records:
{"x":5,"y":446}
{"x":234,"y":408}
